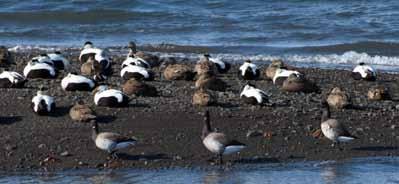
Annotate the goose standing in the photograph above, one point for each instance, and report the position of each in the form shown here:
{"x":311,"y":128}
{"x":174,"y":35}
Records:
{"x":332,"y":128}
{"x":111,"y":142}
{"x":10,"y":79}
{"x":218,"y":143}
{"x":252,"y":95}
{"x":365,"y":72}
{"x":109,"y":97}
{"x":222,"y":67}
{"x":74,"y":82}
{"x":248,"y":71}
{"x":43,"y":104}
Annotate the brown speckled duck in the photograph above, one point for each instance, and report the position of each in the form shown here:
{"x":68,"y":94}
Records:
{"x":202,"y":97}
{"x":205,"y":66}
{"x":210,"y":81}
{"x":298,"y":83}
{"x":378,"y":93}
{"x":139,"y":88}
{"x":81,"y":112}
{"x":178,"y":72}
{"x":271,"y":69}
{"x":87,"y":67}
{"x":338,"y":99}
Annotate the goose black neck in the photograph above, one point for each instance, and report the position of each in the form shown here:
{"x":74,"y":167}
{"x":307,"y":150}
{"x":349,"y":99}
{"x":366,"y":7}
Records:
{"x":207,"y":125}
{"x":94,"y":131}
{"x":326,"y":112}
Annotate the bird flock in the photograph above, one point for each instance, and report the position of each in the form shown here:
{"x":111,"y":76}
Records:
{"x":96,"y":67}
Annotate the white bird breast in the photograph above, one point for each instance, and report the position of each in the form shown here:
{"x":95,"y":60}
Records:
{"x":108,"y":93}
{"x":48,"y":99}
{"x":252,"y":92}
{"x":76,"y":79}
{"x":283,"y":73}
{"x":213,"y":145}
{"x":135,"y":69}
{"x":244,"y":67}
{"x":362,"y":69}
{"x":38,"y":66}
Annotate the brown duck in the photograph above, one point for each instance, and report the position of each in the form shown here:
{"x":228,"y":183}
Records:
{"x":338,"y":99}
{"x":210,"y":81}
{"x":378,"y":93}
{"x":202,"y":97}
{"x":298,"y":83}
{"x":271,"y":69}
{"x":139,"y":88}
{"x":81,"y":112}
{"x":178,"y":72}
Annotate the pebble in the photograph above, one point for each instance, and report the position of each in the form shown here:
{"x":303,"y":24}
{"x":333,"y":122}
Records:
{"x":41,"y":146}
{"x":254,"y":133}
{"x":65,"y":154}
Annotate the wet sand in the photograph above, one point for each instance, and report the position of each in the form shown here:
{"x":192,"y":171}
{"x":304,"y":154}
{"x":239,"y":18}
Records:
{"x":168,"y":127}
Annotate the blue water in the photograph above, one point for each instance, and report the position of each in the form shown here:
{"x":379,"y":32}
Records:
{"x":363,"y":170}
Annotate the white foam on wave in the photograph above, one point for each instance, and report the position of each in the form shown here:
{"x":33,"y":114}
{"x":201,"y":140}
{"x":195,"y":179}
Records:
{"x":345,"y":60}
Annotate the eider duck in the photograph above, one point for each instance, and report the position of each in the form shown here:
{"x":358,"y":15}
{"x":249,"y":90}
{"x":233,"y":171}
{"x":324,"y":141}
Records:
{"x":137,"y":72}
{"x":59,"y":61}
{"x":282,"y":74}
{"x":271,"y":69}
{"x":221,"y":66}
{"x":338,"y":99}
{"x":178,"y":72}
{"x":365,"y":72}
{"x":81,"y":112}
{"x":252,"y":95}
{"x":248,"y":71}
{"x":205,"y":66}
{"x":109,"y":97}
{"x":218,"y":143}
{"x":10,"y":79}
{"x":74,"y":82}
{"x":111,"y":142}
{"x":210,"y":81}
{"x":87,"y":67}
{"x":298,"y":83}
{"x":202,"y":97}
{"x":5,"y":57}
{"x":43,"y":104}
{"x":135,"y":61}
{"x":103,"y":63}
{"x":378,"y":93}
{"x":139,"y":88}
{"x":332,"y":128}
{"x":152,"y":60}
{"x":39,"y":69}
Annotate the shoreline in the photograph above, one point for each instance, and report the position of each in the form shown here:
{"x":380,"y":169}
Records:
{"x":170,"y":137}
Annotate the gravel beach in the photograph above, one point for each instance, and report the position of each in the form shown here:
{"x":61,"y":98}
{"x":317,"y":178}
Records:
{"x":168,"y":126}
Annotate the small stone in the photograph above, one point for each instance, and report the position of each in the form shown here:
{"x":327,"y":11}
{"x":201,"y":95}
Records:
{"x":393,"y":127}
{"x":177,"y":157}
{"x":41,"y":146}
{"x":65,"y":154}
{"x":286,"y":138}
{"x":81,"y":163}
{"x":254,"y":133}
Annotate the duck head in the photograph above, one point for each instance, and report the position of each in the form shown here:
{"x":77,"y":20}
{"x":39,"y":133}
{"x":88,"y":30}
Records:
{"x":88,"y":45}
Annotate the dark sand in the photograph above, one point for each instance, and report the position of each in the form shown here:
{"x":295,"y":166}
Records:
{"x":169,"y":127}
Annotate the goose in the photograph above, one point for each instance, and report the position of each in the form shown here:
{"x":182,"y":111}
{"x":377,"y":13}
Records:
{"x":131,"y":60}
{"x":81,"y":112}
{"x":109,"y":97}
{"x":111,"y":142}
{"x":43,"y":104}
{"x":210,"y":81}
{"x":59,"y":61}
{"x":205,"y":66}
{"x":221,"y":66}
{"x":282,"y":74}
{"x":139,"y":88}
{"x":298,"y":83}
{"x":252,"y":95}
{"x":178,"y":72}
{"x":218,"y":143}
{"x":338,"y":98}
{"x":74,"y":82}
{"x":137,"y":72}
{"x":36,"y":69}
{"x":332,"y":128}
{"x":365,"y":72}
{"x":9,"y":79}
{"x":248,"y":71}
{"x":202,"y":97}
{"x":151,"y":59}
{"x":271,"y":69}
